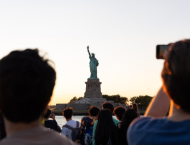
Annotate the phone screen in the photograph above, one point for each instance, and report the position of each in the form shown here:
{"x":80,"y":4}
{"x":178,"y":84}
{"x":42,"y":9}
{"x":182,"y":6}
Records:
{"x":160,"y":49}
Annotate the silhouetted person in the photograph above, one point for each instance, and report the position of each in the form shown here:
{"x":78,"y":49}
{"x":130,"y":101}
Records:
{"x":51,"y":124}
{"x":71,"y":128}
{"x":107,"y":106}
{"x":26,"y":84}
{"x":119,"y":112}
{"x":128,"y":117}
{"x":106,"y":131}
{"x":155,"y":128}
{"x":87,"y":122}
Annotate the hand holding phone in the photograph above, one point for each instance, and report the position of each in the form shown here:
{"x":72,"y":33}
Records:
{"x":53,"y":116}
{"x":134,"y":106}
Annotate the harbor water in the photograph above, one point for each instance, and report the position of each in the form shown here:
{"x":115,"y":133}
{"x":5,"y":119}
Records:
{"x":61,"y":120}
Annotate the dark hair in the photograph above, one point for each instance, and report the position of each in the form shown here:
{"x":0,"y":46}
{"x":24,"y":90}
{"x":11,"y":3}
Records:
{"x":2,"y":128}
{"x":93,"y":111}
{"x":176,"y":74}
{"x":128,"y":117}
{"x":26,"y":85}
{"x":119,"y":111}
{"x":47,"y":114}
{"x":106,"y":129}
{"x":68,"y":112}
{"x":108,"y":105}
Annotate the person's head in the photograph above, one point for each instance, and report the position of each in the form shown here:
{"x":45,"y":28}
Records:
{"x":176,"y":74}
{"x":107,"y":105}
{"x":128,"y":117}
{"x":94,"y":111}
{"x":26,"y":85}
{"x":93,"y":55}
{"x":119,"y":111}
{"x":105,"y":127}
{"x":47,"y":115}
{"x":68,"y":113}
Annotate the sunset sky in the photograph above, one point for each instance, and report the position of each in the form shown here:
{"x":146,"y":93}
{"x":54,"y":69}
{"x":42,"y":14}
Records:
{"x":122,"y":33}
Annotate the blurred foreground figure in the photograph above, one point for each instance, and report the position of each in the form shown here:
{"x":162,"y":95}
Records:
{"x":26,"y":86}
{"x":2,"y":128}
{"x":155,"y":128}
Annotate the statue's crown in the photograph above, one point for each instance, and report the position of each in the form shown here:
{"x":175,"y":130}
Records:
{"x":93,"y":53}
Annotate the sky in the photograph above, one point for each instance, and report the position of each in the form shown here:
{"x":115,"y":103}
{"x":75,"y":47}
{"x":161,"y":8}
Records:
{"x":123,"y":34}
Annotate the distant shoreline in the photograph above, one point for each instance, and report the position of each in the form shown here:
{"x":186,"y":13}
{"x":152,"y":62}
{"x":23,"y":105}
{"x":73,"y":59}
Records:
{"x":78,"y":113}
{"x":74,"y":113}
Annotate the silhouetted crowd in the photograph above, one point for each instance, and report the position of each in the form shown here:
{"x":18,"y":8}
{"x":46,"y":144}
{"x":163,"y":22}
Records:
{"x":99,"y":127}
{"x":27,"y":81}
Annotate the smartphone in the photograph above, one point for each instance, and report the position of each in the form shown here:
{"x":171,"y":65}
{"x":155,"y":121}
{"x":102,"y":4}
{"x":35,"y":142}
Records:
{"x":160,"y":49}
{"x":51,"y":115}
{"x":134,"y":106}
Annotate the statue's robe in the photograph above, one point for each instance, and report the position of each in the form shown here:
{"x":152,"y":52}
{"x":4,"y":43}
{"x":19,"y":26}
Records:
{"x":93,"y":67}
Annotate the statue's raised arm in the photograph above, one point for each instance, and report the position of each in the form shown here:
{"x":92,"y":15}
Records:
{"x":93,"y":65}
{"x":88,"y":51}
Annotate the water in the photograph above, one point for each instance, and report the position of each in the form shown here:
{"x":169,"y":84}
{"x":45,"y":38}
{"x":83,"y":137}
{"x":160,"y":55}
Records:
{"x":61,"y":120}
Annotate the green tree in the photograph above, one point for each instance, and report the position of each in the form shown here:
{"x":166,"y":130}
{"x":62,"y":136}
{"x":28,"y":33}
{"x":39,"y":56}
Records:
{"x":143,"y":101}
{"x":73,"y":99}
{"x":116,"y":98}
{"x":124,"y":100}
{"x":80,"y":98}
{"x":133,"y":99}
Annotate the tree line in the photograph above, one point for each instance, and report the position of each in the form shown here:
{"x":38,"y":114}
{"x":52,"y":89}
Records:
{"x":142,"y":101}
{"x":75,"y":99}
{"x":116,"y":98}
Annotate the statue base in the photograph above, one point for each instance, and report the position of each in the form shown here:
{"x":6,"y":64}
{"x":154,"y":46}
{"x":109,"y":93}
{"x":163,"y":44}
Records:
{"x":93,"y":78}
{"x":93,"y":89}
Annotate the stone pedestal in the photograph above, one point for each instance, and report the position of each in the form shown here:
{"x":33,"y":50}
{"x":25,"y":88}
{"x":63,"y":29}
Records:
{"x":93,"y":89}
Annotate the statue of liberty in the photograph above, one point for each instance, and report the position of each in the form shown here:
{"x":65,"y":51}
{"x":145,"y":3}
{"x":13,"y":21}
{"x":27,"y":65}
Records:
{"x":93,"y":65}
